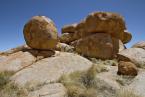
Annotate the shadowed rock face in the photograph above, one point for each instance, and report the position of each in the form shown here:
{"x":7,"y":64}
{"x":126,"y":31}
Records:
{"x":98,"y":45}
{"x":40,"y":33}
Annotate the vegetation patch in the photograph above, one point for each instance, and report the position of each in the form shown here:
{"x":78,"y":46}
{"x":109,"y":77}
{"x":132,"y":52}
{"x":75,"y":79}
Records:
{"x":107,"y":62}
{"x":8,"y":89}
{"x":82,"y":83}
{"x":4,"y":78}
{"x":127,"y":93}
{"x":12,"y":90}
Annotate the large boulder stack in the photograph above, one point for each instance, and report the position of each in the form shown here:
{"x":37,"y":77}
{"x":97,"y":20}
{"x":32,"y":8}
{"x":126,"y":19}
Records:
{"x":99,"y":35}
{"x":40,"y":33}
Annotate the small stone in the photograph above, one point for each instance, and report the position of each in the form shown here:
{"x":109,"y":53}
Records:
{"x":127,"y":68}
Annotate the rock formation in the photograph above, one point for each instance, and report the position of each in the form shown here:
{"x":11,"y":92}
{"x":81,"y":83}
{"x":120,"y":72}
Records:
{"x":89,"y":59}
{"x":97,"y":25}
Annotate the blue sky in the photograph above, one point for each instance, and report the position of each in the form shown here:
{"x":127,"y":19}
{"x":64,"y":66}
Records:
{"x":15,"y":13}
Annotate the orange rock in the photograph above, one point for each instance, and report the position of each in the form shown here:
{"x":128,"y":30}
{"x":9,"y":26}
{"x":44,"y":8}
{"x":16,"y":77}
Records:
{"x":40,"y":33}
{"x":127,"y":68}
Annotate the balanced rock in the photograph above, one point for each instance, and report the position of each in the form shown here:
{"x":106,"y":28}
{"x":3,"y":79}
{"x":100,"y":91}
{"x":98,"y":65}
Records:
{"x":98,"y":45}
{"x":127,"y":68}
{"x":40,"y":33}
{"x":140,"y":44}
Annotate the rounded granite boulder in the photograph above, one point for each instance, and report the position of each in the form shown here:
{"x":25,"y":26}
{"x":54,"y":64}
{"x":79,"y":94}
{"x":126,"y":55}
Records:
{"x":40,"y":33}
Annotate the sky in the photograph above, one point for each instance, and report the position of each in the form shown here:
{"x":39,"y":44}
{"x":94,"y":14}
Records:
{"x":15,"y":13}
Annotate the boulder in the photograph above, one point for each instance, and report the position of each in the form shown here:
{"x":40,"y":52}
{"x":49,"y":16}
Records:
{"x":135,"y":55}
{"x":67,"y":38}
{"x":98,"y":45}
{"x":105,"y":22}
{"x":127,"y":37}
{"x":140,"y":44}
{"x":50,"y":90}
{"x":40,"y":33}
{"x":50,"y":69}
{"x":69,"y":28}
{"x":127,"y":68}
{"x":64,"y":47}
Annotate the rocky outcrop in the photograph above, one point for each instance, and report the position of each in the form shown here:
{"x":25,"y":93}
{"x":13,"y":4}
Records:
{"x":135,"y":55}
{"x":140,"y":44}
{"x":127,"y":68}
{"x":40,"y":33}
{"x":51,"y":69}
{"x":111,"y":24}
{"x":16,"y":61}
{"x":40,"y":68}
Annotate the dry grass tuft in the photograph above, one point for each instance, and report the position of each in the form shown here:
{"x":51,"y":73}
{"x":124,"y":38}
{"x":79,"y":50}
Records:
{"x":127,"y":93}
{"x":80,"y":83}
{"x":4,"y":78}
{"x":12,"y":90}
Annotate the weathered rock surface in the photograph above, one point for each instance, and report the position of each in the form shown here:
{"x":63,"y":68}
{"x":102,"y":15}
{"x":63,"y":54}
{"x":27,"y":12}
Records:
{"x":127,"y":37}
{"x":95,"y":23}
{"x":135,"y":55}
{"x":105,"y":22}
{"x":67,"y":38}
{"x":64,"y":47}
{"x":16,"y":61}
{"x":51,"y":69}
{"x":98,"y":45}
{"x":138,"y":85}
{"x":127,"y":68}
{"x":106,"y":83}
{"x":140,"y":44}
{"x":121,"y":46}
{"x":40,"y":33}
{"x":50,"y":90}
{"x":69,"y":28}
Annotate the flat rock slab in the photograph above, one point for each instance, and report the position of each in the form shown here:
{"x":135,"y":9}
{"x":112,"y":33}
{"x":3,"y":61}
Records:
{"x":50,"y":90}
{"x":16,"y":61}
{"x":138,"y":85}
{"x":51,"y":69}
